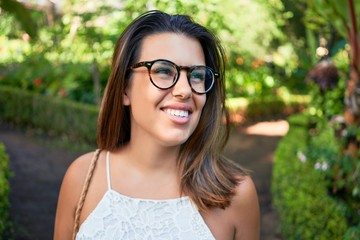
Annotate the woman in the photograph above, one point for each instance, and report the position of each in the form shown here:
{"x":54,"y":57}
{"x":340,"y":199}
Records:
{"x":160,"y":173}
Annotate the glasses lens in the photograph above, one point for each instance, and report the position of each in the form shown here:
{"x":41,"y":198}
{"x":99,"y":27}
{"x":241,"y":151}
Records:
{"x":163,"y":74}
{"x":201,"y":79}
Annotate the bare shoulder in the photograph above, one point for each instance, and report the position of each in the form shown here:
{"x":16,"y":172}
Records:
{"x":70,"y":191}
{"x":245,"y":191}
{"x":77,"y":171}
{"x":244,"y":210}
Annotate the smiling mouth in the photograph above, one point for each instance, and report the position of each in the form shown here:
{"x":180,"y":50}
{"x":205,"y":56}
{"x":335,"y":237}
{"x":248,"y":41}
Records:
{"x":177,"y":113}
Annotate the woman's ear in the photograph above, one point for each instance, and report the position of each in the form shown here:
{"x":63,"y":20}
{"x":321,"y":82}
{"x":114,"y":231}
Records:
{"x":126,"y":99}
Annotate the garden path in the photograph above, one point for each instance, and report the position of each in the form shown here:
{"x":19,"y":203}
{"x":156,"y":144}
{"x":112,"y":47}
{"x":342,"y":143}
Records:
{"x":39,"y":167}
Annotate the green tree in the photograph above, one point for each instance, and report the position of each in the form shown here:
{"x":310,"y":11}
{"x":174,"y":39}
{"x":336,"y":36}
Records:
{"x":21,"y":14}
{"x":344,"y":177}
{"x":343,"y":15}
{"x":72,"y":56}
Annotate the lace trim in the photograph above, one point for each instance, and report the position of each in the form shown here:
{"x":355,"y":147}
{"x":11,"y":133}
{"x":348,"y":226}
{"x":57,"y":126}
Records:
{"x":121,"y":217}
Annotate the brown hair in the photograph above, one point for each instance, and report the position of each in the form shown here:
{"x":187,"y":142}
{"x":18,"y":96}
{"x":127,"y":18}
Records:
{"x":206,"y":176}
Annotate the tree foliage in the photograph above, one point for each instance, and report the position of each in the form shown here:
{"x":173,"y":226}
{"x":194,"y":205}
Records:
{"x":72,"y":56}
{"x":337,"y":109}
{"x":21,"y":14}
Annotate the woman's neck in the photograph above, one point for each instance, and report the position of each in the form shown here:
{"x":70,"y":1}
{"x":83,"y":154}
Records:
{"x":151,"y":156}
{"x":149,"y":172}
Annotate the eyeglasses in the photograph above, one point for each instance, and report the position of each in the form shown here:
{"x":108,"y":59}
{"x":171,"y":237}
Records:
{"x":164,"y":74}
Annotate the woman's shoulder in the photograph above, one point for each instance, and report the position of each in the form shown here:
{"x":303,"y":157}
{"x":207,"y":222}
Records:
{"x":77,"y":171}
{"x":244,"y":210}
{"x":241,"y":219}
{"x":79,"y":167}
{"x":69,"y":195}
{"x":245,"y":193}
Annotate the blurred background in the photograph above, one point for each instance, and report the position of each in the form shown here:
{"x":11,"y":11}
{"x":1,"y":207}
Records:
{"x":294,"y":60}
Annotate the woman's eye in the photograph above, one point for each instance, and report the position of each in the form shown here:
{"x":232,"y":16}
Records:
{"x":164,"y":71}
{"x":198,"y":77}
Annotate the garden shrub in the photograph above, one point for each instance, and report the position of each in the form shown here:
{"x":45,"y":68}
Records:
{"x":260,"y":109}
{"x":300,"y":191}
{"x":353,"y":233}
{"x":340,"y":169}
{"x":265,"y":108}
{"x":54,"y":116}
{"x":4,"y":193}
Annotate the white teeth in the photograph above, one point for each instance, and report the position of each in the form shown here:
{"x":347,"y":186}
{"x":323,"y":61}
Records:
{"x":177,"y":113}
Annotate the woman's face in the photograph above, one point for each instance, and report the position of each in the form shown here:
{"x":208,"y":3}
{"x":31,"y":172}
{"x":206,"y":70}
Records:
{"x":170,"y":116}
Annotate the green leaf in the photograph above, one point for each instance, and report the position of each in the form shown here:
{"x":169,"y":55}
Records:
{"x":21,"y":14}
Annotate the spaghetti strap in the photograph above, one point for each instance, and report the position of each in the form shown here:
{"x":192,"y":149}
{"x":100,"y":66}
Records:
{"x":108,"y":169}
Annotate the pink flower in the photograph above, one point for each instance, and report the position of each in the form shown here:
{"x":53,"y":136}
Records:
{"x":26,"y":37}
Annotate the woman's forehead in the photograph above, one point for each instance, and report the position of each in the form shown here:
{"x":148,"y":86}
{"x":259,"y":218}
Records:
{"x":178,"y":48}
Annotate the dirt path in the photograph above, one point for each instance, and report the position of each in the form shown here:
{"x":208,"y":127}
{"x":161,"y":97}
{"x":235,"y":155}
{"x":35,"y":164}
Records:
{"x":253,"y":148}
{"x":38,"y":170}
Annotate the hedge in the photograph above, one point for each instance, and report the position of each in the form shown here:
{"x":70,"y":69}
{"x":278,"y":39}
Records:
{"x":54,"y":116}
{"x":300,"y":195}
{"x":271,"y":107}
{"x":77,"y":121}
{"x":4,"y":193}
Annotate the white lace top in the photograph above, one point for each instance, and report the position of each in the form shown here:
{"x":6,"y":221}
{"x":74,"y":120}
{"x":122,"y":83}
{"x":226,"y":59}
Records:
{"x":120,"y":217}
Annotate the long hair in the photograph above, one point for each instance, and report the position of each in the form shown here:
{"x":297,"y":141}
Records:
{"x":205,"y":175}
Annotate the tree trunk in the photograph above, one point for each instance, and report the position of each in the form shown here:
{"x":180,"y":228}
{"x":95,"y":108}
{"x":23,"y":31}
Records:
{"x":352,"y":94}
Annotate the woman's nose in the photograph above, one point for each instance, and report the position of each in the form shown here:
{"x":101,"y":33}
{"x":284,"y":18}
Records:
{"x":182,"y":87}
